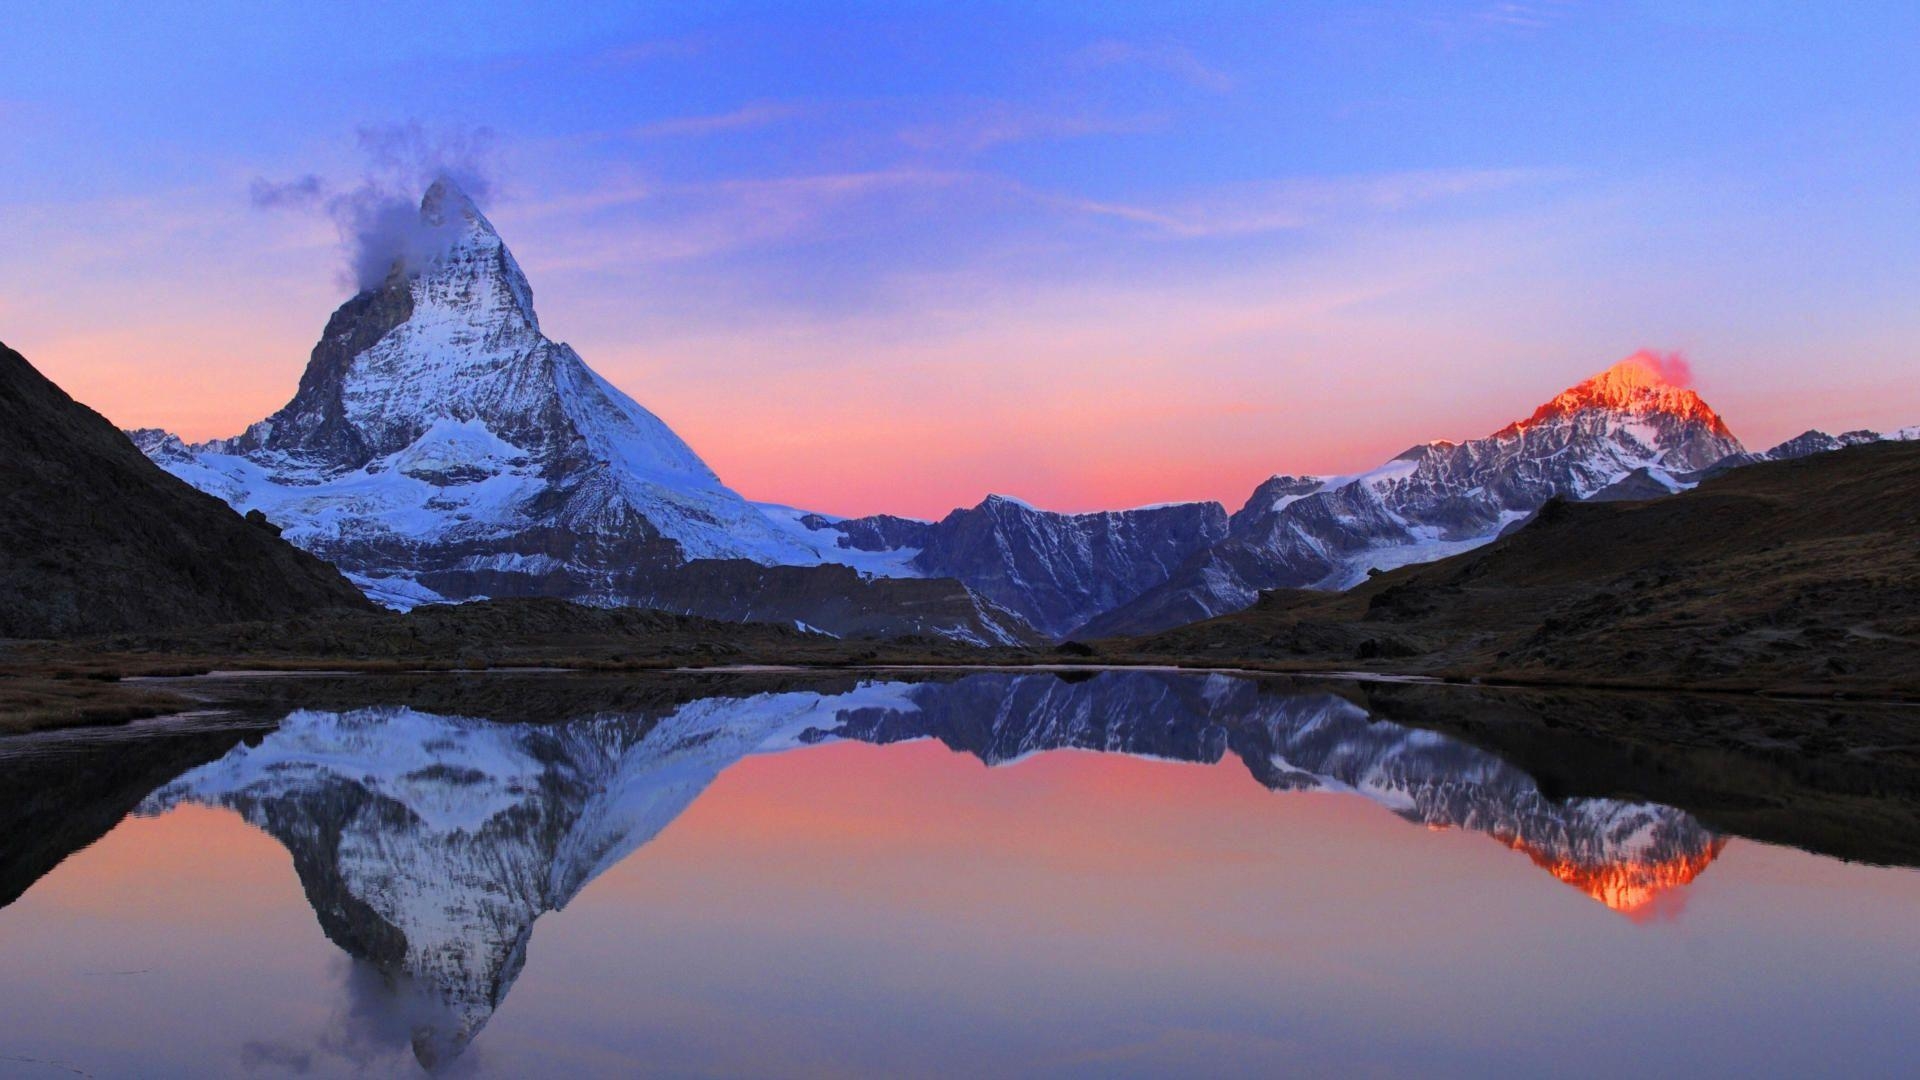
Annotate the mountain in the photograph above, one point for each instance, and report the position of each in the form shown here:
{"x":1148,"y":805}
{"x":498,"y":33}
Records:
{"x":429,"y":844}
{"x":1439,"y":498}
{"x":1054,"y":570}
{"x":1805,"y":444}
{"x":441,"y":447}
{"x":1800,"y":574}
{"x":1059,"y":570}
{"x":95,"y":538}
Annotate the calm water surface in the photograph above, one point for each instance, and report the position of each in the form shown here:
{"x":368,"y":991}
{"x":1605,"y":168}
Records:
{"x":1123,"y":874}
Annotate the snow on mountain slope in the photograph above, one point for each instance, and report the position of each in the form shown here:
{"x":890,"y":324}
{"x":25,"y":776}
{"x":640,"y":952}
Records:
{"x":1440,"y":498}
{"x":440,"y":445}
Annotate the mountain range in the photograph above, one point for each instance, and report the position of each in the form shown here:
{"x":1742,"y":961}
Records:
{"x":441,"y":447}
{"x":1798,"y":575}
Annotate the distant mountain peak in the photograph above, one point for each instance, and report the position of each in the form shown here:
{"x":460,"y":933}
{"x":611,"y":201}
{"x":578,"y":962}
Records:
{"x":1643,"y":384}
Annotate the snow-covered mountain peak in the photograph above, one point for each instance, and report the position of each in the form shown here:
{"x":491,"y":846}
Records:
{"x":441,"y":446}
{"x":1642,"y":385}
{"x":472,"y":271}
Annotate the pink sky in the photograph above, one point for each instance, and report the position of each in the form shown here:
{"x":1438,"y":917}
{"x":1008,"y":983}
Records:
{"x":1125,"y":384}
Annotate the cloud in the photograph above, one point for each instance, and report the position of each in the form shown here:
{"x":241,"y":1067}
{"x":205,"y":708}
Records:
{"x":1670,"y":367}
{"x":378,"y":219}
{"x":305,"y":193}
{"x":1276,"y":206}
{"x":643,"y":224}
{"x":759,"y":114}
{"x":1176,"y":60}
{"x":1522,"y":14}
{"x":1467,"y":22}
{"x":1004,"y":123}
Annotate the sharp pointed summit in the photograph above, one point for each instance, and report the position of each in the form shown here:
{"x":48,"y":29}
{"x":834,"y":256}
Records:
{"x":1644,"y":386}
{"x":441,"y":446}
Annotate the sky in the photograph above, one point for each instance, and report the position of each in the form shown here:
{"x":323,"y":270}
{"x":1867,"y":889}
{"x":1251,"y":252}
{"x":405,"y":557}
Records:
{"x":892,"y":257}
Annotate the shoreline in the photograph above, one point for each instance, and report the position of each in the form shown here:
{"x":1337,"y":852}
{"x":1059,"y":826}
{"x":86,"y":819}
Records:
{"x":56,"y":693}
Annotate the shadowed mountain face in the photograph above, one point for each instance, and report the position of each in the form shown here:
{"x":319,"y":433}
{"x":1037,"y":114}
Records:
{"x":95,"y":538}
{"x":429,"y":843}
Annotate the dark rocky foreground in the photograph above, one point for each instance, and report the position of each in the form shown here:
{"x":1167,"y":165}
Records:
{"x":96,"y":538}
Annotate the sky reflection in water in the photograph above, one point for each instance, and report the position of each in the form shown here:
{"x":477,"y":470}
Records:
{"x":805,"y":883}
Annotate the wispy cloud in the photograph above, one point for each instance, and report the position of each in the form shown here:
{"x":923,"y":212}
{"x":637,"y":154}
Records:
{"x":1522,"y":14}
{"x":1269,"y":207}
{"x":1002,"y":123}
{"x":754,"y":115}
{"x":1483,"y":20}
{"x":1176,"y":60}
{"x":639,"y":224}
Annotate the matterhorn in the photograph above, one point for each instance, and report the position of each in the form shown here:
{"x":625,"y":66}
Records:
{"x":442,"y":447}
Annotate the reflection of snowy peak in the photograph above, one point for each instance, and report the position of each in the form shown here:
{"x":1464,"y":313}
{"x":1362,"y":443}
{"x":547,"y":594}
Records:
{"x":429,"y":845}
{"x":1620,"y":853}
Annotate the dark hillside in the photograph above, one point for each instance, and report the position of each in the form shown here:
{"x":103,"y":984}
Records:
{"x":96,"y":538}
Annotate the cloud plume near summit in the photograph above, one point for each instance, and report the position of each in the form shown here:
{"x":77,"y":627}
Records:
{"x":378,"y":218}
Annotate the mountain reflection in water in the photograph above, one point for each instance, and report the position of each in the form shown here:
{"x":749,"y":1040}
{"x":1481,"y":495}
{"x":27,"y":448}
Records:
{"x":428,"y":844}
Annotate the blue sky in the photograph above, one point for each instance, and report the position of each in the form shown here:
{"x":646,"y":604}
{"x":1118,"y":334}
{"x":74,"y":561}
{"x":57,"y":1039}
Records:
{"x":895,"y":256}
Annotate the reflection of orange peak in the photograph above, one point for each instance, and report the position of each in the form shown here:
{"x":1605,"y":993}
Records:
{"x":1628,"y":885}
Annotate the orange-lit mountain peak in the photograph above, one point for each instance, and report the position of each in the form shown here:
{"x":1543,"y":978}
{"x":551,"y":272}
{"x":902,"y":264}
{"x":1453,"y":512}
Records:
{"x":1646,"y":383}
{"x":1628,"y":886}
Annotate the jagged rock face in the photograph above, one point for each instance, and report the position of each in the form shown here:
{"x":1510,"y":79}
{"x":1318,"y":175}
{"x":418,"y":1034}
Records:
{"x":1808,"y":443}
{"x":429,"y":845}
{"x":1440,"y":498}
{"x":876,"y":532}
{"x":1805,"y":444}
{"x":1058,"y":570}
{"x":94,"y":538}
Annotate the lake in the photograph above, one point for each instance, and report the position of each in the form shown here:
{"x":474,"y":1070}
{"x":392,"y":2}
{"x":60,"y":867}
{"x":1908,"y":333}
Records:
{"x":1083,"y":874}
